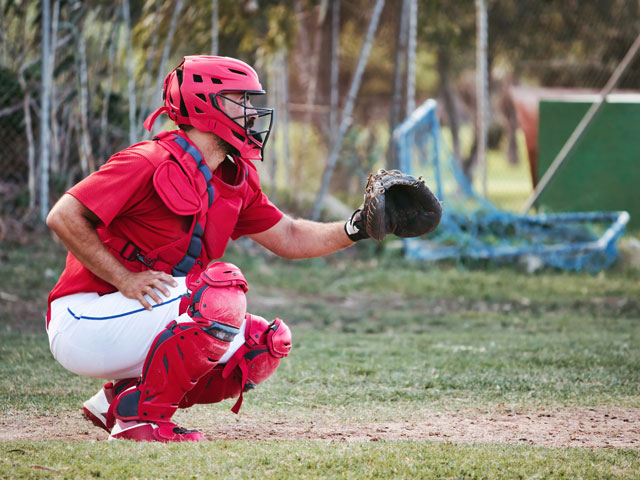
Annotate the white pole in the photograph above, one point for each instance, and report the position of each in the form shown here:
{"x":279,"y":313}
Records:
{"x":482,"y":90}
{"x":44,"y":111}
{"x":214,"y":27}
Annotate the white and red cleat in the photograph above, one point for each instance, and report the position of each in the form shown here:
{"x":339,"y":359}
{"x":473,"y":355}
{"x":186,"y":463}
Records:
{"x":95,"y":409}
{"x":153,"y":432}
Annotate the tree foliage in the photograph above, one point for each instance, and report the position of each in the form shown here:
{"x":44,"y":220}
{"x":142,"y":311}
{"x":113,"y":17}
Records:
{"x":568,"y":43}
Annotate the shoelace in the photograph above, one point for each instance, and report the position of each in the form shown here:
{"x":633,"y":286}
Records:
{"x":182,"y":431}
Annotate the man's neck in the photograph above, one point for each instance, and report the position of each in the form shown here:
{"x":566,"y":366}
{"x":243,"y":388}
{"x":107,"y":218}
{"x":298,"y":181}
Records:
{"x":207,"y":143}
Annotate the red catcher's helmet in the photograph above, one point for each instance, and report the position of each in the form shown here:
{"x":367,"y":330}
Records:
{"x":193,"y":95}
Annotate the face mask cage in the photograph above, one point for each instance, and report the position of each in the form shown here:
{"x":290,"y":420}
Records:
{"x":256,"y":120}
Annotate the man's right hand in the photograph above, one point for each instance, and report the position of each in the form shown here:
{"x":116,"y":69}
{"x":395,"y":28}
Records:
{"x":148,"y":283}
{"x":76,"y":225}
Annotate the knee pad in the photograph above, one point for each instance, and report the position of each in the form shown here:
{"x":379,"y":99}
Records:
{"x":217,"y":293}
{"x":255,"y":361}
{"x":265,"y":345}
{"x":184,"y":352}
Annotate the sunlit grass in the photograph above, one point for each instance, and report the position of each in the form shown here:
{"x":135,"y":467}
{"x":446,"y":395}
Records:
{"x":376,"y":338}
{"x":310,"y":459}
{"x":508,"y":185}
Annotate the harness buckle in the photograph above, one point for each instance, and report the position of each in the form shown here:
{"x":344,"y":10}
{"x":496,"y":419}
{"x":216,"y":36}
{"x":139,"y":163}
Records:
{"x":132,"y":252}
{"x":147,"y":262}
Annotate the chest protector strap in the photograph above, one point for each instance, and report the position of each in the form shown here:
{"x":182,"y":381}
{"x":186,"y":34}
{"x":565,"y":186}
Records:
{"x":187,"y":155}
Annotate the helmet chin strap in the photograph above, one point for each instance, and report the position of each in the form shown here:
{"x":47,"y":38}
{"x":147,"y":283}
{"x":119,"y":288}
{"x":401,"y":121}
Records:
{"x":148,"y":123}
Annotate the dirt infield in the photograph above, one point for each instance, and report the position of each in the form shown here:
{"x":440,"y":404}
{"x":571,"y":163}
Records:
{"x":587,"y":428}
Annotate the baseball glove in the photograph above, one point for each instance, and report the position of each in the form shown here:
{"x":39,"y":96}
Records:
{"x":396,"y":203}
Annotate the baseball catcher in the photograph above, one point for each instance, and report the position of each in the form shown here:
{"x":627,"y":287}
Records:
{"x":144,"y":300}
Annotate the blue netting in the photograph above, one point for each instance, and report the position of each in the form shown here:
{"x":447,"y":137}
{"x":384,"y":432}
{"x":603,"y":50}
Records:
{"x":473,"y":227}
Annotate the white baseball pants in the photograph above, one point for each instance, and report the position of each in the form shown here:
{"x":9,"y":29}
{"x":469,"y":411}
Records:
{"x":109,"y":336}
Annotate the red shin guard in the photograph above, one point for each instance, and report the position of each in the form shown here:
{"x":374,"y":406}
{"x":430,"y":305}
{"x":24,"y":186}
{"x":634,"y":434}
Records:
{"x":179,"y":356}
{"x":212,"y":388}
{"x":184,"y":352}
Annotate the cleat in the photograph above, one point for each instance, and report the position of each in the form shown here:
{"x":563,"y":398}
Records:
{"x":153,"y":432}
{"x":95,"y":409}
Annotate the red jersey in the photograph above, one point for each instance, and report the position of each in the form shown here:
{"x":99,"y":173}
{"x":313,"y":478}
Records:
{"x":123,"y":196}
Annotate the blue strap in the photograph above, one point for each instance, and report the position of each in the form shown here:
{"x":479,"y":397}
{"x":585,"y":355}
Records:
{"x":195,"y":245}
{"x":203,"y":168}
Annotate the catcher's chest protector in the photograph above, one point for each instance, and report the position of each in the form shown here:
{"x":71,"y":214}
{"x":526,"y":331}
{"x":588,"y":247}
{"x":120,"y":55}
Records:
{"x":265,"y":345}
{"x":184,"y":352}
{"x":185,"y":187}
{"x":187,"y":182}
{"x":182,"y":180}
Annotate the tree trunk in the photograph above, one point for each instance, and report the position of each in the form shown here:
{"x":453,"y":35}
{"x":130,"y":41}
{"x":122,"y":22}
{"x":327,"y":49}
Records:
{"x":3,"y":39}
{"x":335,"y":69}
{"x":469,"y":162}
{"x":104,"y":117}
{"x":165,"y":54}
{"x":448,"y":99}
{"x":509,"y":111}
{"x":398,"y":71}
{"x":411,"y":57}
{"x":131,"y":88}
{"x":89,"y":163}
{"x":284,"y":119}
{"x":54,"y":143}
{"x":309,"y":72}
{"x":315,"y":60}
{"x":270,"y":156}
{"x":67,"y":140}
{"x":348,"y":109}
{"x":303,"y":65}
{"x":31,"y":150}
{"x":146,"y":93}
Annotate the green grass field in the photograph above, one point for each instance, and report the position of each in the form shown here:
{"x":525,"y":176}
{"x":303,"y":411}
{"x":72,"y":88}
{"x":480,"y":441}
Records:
{"x":399,"y":370}
{"x":376,"y":342}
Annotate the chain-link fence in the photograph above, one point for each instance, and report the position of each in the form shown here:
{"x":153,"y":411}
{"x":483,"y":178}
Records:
{"x":69,"y":102}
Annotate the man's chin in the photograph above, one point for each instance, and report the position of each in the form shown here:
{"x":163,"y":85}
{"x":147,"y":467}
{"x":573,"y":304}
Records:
{"x":226,"y":147}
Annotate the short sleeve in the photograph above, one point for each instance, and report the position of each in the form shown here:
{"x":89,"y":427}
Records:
{"x":116,"y":186}
{"x":258,"y":213}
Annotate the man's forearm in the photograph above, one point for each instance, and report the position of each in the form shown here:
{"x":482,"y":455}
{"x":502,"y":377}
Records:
{"x":300,"y":238}
{"x":75,"y":225}
{"x":314,"y":239}
{"x":80,"y":237}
